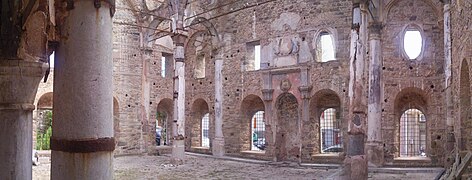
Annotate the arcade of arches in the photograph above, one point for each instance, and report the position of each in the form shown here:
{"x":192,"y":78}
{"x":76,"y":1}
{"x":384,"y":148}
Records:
{"x":356,"y":83}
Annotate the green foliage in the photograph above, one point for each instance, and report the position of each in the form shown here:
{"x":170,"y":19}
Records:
{"x":43,"y":138}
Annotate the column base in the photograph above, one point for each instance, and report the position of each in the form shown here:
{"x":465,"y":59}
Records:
{"x":96,"y":165}
{"x":375,"y":154}
{"x":178,"y":152}
{"x":218,"y":148}
{"x":355,"y":167}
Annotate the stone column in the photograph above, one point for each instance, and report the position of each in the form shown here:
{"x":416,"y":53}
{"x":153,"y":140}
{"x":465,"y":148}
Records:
{"x":269,"y":123}
{"x":178,"y":128}
{"x":19,"y":81}
{"x":448,"y":79}
{"x":82,"y":142}
{"x":218,"y":142}
{"x":374,"y":115}
{"x":355,"y":162}
{"x":305,"y":90}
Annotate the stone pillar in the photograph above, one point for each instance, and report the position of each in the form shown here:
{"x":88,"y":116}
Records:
{"x":178,"y":128}
{"x":19,"y":81}
{"x":448,"y":79}
{"x":355,"y":162}
{"x":82,"y":142}
{"x":374,"y":116}
{"x":269,"y":123}
{"x":305,"y":90}
{"x":218,"y":142}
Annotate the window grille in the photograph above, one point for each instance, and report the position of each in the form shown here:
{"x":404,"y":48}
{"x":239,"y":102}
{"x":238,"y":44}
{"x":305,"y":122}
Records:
{"x":205,"y":130}
{"x":412,"y":133}
{"x":257,"y":131}
{"x":331,"y":135}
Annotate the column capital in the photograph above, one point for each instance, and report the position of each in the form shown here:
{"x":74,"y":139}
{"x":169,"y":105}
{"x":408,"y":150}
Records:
{"x":267,"y":94}
{"x":375,"y":29}
{"x":96,"y":3}
{"x":305,"y":91}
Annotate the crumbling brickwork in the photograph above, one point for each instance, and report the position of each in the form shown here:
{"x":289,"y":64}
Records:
{"x":291,"y":81}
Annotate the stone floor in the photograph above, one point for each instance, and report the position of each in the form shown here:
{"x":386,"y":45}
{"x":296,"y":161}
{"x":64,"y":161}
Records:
{"x":197,"y":167}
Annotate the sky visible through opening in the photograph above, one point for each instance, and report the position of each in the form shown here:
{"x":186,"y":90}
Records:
{"x":51,"y":59}
{"x":163,"y":66}
{"x":257,"y":56}
{"x":412,"y":43}
{"x":327,"y":48}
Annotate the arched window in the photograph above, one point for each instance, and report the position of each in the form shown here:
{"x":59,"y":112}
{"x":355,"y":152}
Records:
{"x":412,"y":133}
{"x":412,"y":43}
{"x":330,"y":132}
{"x":325,"y":50}
{"x":257,"y":131}
{"x":205,"y":130}
{"x":200,"y":64}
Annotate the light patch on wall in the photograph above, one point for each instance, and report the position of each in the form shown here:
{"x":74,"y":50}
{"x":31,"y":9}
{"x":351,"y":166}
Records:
{"x":412,"y":43}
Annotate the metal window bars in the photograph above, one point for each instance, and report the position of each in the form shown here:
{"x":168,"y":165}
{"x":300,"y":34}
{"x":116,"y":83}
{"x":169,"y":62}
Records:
{"x":205,"y":130}
{"x":257,"y":132}
{"x":330,"y":132}
{"x":412,"y":134}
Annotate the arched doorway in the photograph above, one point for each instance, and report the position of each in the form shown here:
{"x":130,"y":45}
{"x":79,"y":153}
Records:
{"x":287,"y":143}
{"x":44,"y":122}
{"x":412,"y":133}
{"x":164,"y":122}
{"x":325,"y":131}
{"x":412,"y":138}
{"x":252,"y":132}
{"x":200,"y":136}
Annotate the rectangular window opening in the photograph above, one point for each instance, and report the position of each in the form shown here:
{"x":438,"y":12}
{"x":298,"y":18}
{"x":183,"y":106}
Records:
{"x":253,"y":57}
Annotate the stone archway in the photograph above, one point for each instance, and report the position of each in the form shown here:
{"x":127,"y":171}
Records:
{"x":42,"y":124}
{"x":249,"y":107}
{"x":164,"y":121}
{"x":194,"y":126}
{"x":411,"y":100}
{"x":465,"y":118}
{"x":313,"y":140}
{"x":287,"y":139}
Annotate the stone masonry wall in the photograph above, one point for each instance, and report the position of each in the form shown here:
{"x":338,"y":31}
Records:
{"x":461,"y":65}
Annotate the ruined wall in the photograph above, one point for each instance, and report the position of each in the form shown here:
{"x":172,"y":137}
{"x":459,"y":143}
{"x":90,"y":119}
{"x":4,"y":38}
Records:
{"x":138,"y":84}
{"x":297,"y":22}
{"x":461,"y":60}
{"x":416,"y":83}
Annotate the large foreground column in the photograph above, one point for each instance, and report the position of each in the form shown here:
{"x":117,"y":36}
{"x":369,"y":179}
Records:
{"x":82,"y":142}
{"x":19,"y":81}
{"x":355,"y":161}
{"x":178,"y":128}
{"x":374,"y":117}
{"x":218,"y":143}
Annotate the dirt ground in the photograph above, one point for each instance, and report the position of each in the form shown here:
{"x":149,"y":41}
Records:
{"x":196,"y":167}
